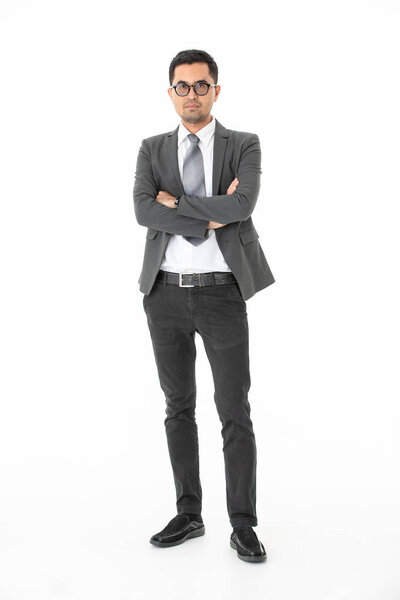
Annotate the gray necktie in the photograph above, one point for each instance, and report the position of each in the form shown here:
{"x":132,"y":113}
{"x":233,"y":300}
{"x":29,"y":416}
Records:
{"x":193,"y":177}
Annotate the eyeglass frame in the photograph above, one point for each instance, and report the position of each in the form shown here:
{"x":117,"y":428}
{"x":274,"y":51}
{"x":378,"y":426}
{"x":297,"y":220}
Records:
{"x":193,"y":86}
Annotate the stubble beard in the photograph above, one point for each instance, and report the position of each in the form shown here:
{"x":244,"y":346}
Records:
{"x":195,"y":118}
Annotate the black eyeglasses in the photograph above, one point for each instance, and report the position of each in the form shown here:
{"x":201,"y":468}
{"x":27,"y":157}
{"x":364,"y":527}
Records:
{"x":200,"y":88}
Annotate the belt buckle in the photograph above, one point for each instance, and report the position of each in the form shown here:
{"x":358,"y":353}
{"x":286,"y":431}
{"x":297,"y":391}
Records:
{"x":180,"y":280}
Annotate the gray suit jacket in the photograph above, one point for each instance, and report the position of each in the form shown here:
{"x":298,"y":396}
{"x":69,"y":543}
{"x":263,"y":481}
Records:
{"x":236,"y":154}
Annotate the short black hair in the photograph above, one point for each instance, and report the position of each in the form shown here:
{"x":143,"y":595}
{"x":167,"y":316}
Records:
{"x":188,"y":57}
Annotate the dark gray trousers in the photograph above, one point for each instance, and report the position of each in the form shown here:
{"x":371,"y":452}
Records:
{"x":218,"y":314}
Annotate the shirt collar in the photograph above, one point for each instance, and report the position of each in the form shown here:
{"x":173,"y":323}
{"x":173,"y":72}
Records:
{"x":205,"y":134}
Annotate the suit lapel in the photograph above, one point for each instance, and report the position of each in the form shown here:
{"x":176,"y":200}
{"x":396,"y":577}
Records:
{"x":220,"y":139}
{"x":172,"y":153}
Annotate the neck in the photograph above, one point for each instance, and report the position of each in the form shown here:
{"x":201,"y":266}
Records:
{"x":195,"y":127}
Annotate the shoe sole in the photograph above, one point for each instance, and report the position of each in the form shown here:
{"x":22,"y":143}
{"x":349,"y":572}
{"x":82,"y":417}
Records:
{"x":248,"y":558}
{"x":191,"y":534}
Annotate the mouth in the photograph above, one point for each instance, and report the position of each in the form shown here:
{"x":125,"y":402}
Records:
{"x":192,"y":106}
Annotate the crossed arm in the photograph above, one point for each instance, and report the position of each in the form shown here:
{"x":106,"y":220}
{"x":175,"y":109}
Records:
{"x":156,"y":215}
{"x":167,"y":199}
{"x":196,"y":214}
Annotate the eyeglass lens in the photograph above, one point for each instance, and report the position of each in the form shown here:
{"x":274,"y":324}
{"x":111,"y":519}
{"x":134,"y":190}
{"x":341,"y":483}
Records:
{"x":200,"y":89}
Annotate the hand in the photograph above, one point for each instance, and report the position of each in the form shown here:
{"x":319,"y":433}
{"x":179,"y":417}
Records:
{"x":166,"y":199}
{"x":215,"y":225}
{"x":233,"y":186}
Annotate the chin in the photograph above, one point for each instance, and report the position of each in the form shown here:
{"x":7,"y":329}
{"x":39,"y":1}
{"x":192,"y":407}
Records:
{"x":193,"y":118}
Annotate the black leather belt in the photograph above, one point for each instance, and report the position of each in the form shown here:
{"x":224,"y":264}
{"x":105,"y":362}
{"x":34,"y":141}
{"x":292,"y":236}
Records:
{"x":195,"y":279}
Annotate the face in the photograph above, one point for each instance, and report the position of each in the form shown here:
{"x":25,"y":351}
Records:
{"x":191,"y":108}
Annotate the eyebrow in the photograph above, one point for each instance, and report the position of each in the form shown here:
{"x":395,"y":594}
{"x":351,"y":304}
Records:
{"x":198,"y":81}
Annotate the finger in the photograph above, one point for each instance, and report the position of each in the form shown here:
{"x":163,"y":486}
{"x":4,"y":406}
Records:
{"x":232,"y":188}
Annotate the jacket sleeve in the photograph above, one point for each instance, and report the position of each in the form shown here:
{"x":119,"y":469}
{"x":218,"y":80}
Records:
{"x":229,"y":208}
{"x":151,"y":213}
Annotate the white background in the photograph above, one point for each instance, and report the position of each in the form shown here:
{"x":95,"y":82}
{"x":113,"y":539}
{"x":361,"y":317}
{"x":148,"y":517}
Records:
{"x":84,"y":467}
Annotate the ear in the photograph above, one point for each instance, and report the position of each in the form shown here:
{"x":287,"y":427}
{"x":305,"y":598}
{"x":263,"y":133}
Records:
{"x":170,"y":92}
{"x":217,"y":91}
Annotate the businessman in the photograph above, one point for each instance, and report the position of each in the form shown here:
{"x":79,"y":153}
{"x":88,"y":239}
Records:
{"x":195,"y":190}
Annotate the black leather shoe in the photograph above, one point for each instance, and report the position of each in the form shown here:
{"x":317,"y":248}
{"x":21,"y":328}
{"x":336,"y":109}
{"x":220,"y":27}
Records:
{"x":178,"y":530}
{"x":247,"y":545}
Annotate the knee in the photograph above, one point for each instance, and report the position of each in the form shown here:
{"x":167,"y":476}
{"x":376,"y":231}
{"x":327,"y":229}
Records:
{"x":237,"y":427}
{"x":178,"y":412}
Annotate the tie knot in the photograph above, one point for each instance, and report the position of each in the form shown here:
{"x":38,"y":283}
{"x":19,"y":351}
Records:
{"x":193,"y":139}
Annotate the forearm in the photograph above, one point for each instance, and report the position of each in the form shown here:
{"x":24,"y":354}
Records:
{"x":150,"y":213}
{"x":227,"y":208}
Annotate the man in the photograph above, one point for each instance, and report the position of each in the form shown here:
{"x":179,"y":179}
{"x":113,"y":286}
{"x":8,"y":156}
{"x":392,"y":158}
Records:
{"x":195,"y":190}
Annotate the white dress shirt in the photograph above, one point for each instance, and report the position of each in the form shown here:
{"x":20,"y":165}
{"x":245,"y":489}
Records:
{"x":180,"y":255}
